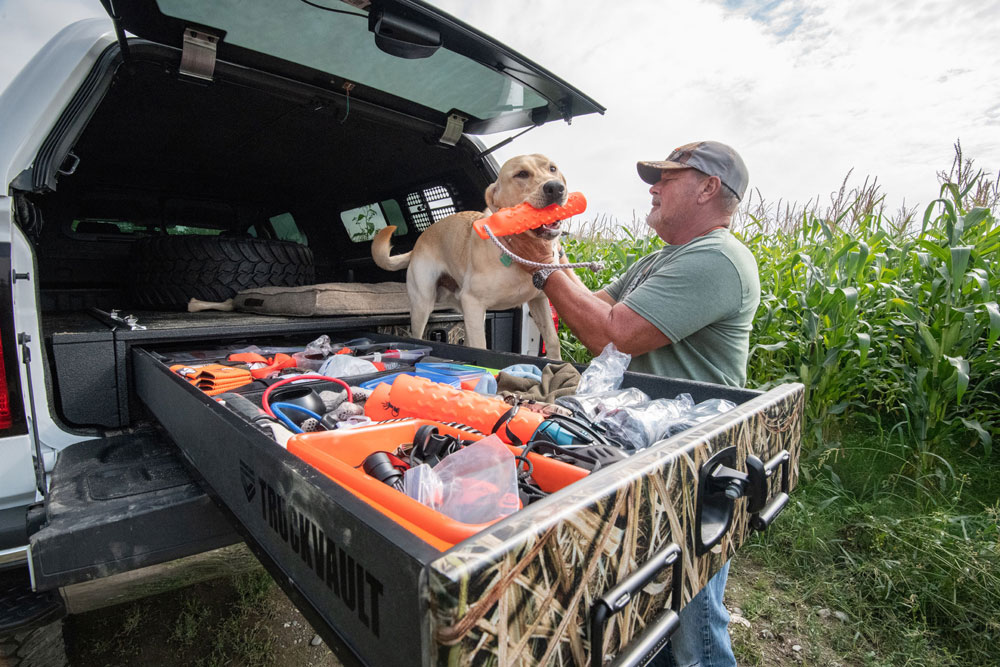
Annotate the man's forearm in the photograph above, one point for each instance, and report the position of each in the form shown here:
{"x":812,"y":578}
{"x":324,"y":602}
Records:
{"x":586,"y":314}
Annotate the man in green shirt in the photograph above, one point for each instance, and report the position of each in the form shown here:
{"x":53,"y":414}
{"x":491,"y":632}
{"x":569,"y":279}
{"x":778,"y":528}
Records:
{"x":683,"y":312}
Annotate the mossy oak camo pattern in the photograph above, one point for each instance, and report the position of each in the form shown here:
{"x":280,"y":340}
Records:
{"x":521,"y":592}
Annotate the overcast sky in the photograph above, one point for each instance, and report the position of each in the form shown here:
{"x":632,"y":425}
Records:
{"x":805,"y":91}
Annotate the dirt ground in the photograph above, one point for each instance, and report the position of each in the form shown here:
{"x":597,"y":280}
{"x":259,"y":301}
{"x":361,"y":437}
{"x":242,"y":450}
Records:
{"x":243,"y":621}
{"x":248,"y":621}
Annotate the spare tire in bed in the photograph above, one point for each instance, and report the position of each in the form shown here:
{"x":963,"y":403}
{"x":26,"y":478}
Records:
{"x":167,"y":271}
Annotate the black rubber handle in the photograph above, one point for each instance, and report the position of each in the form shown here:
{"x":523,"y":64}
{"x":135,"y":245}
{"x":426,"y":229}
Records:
{"x":616,"y":599}
{"x":644,"y":648}
{"x":765,"y":515}
{"x":770,"y":512}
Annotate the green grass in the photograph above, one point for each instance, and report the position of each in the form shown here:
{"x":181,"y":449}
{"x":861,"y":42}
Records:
{"x":221,"y":622}
{"x":922,"y":583}
{"x":240,"y":634}
{"x":189,"y":623}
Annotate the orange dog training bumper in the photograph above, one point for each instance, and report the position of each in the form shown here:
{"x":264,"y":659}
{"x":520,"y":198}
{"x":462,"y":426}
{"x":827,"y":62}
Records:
{"x":523,"y":217}
{"x":411,"y":396}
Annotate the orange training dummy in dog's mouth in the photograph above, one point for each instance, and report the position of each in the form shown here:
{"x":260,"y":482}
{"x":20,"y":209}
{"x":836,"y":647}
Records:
{"x":524,"y":216}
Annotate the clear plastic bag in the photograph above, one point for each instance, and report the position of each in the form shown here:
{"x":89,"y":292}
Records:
{"x":591,"y":405}
{"x":423,"y":485}
{"x":344,"y":365}
{"x":639,"y":427}
{"x":701,"y":412}
{"x":314,"y":354}
{"x":605,"y":371}
{"x":476,"y":484}
{"x":320,"y":346}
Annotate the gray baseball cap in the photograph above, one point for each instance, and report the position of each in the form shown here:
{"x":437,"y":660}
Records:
{"x":709,"y":157}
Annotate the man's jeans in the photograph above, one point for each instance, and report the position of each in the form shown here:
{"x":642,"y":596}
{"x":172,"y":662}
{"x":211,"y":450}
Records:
{"x":702,"y":640}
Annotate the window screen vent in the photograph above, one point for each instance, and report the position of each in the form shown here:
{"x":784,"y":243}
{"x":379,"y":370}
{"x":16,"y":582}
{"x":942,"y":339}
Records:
{"x":430,"y":204}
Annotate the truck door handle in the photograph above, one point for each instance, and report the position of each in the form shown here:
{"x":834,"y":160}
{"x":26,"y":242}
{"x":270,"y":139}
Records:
{"x":641,"y":649}
{"x":720,"y":485}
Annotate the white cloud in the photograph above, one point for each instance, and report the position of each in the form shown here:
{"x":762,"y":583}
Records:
{"x":804,"y":90}
{"x":883,"y":88}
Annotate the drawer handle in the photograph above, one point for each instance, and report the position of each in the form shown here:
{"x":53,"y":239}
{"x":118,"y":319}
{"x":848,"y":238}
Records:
{"x":765,"y":511}
{"x":642,"y":648}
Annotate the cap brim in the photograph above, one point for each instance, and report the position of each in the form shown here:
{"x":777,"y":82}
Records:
{"x":651,"y":172}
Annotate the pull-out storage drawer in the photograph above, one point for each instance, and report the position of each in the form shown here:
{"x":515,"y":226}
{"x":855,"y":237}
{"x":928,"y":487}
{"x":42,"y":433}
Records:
{"x":607,"y":560}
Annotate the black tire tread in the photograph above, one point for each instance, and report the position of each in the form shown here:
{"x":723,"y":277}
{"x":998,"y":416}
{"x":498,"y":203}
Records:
{"x":167,"y":271}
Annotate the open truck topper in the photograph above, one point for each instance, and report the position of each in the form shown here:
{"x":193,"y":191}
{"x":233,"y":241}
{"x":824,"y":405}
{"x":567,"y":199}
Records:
{"x":400,"y":54}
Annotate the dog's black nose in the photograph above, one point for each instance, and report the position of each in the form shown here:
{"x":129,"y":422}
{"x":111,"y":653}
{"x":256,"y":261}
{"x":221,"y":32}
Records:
{"x":554,"y":191}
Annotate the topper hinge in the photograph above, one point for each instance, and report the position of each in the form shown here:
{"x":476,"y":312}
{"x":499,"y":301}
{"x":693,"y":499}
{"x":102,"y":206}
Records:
{"x":453,"y":129}
{"x":198,"y":54}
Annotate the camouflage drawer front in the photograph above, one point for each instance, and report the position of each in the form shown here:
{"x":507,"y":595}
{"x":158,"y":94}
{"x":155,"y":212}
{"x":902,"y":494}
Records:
{"x":522,"y":593}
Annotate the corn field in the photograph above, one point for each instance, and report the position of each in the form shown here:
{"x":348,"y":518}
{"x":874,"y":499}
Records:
{"x":875,"y":315}
{"x":891,"y":321}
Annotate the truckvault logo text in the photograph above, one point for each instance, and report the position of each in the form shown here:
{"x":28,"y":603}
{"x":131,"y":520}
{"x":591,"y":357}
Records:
{"x":246,"y":477}
{"x":357,"y":588}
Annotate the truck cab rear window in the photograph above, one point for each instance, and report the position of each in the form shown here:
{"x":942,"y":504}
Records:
{"x":363,"y":222}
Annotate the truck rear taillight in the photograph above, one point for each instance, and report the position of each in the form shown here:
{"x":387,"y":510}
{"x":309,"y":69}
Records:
{"x":6,"y":420}
{"x":12,"y":421}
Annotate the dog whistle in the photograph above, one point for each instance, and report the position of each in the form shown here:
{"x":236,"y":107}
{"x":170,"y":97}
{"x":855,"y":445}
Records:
{"x":524,"y":216}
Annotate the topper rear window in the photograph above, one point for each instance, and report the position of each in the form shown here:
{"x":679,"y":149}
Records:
{"x":339,"y":43}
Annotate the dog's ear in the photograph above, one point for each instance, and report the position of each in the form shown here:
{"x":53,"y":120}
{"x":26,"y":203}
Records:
{"x":489,"y":197}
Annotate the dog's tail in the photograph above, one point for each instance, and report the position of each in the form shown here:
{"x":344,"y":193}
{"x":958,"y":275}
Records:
{"x":381,"y":245}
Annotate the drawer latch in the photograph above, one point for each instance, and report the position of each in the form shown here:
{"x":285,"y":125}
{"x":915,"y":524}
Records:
{"x":720,"y":485}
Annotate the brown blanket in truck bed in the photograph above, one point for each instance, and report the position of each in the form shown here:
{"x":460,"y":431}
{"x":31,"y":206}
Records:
{"x":326,"y":299}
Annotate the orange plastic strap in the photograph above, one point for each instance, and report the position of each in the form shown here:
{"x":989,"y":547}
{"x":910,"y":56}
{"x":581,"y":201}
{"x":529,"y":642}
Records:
{"x":187,"y":372}
{"x":249,"y":358}
{"x":278,"y":362}
{"x":212,"y":391}
{"x":215,"y":372}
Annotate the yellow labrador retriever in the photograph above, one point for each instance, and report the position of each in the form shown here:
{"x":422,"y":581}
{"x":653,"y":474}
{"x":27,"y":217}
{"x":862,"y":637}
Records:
{"x":451,"y":263}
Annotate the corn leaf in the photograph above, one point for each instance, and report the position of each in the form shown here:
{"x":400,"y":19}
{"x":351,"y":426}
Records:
{"x":994,"y":312}
{"x":959,"y":261}
{"x":850,"y":295}
{"x":935,"y":249}
{"x":928,"y":337}
{"x":975,"y":216}
{"x":864,"y":343}
{"x":984,"y":436}
{"x":907,"y":308}
{"x":982,"y":279}
{"x":962,"y":371}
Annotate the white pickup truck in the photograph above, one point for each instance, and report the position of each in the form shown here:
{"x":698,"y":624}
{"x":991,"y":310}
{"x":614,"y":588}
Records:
{"x":195,"y":149}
